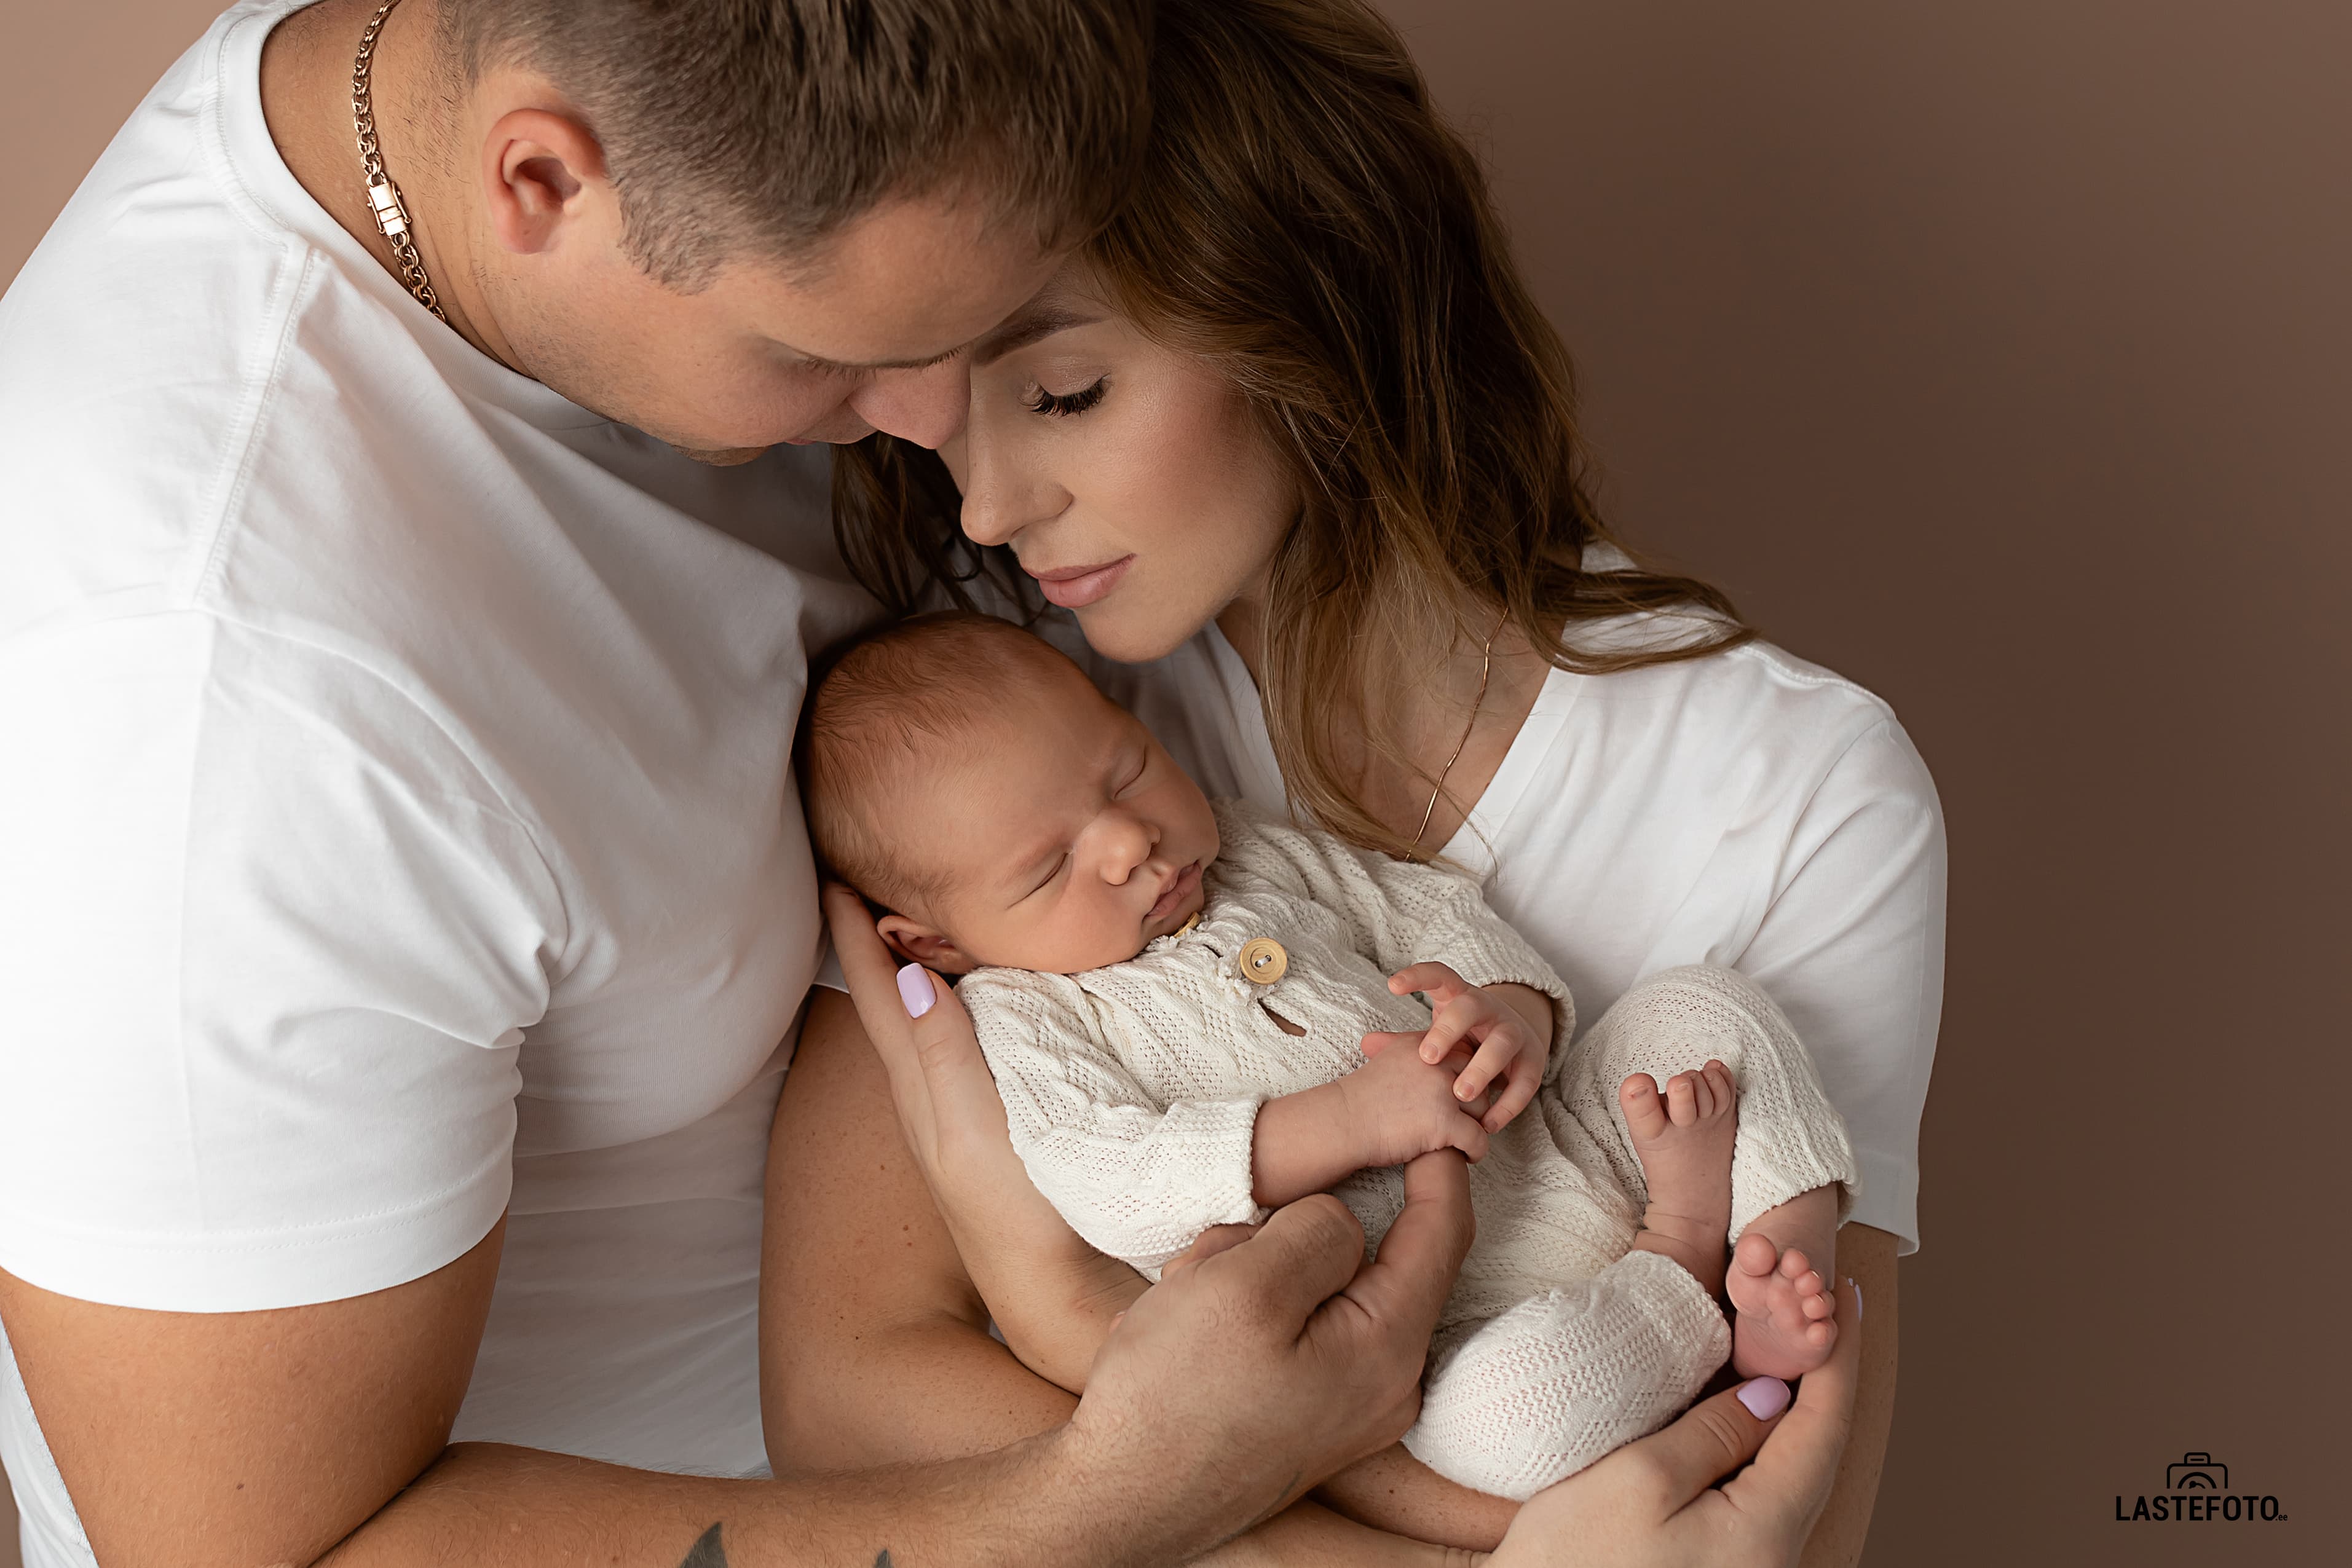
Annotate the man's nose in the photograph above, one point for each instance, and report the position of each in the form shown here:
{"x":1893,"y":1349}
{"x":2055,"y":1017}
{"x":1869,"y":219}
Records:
{"x":925,"y":406}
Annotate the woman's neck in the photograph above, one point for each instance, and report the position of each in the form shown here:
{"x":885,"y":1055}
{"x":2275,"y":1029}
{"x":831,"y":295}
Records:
{"x":1430,"y":707}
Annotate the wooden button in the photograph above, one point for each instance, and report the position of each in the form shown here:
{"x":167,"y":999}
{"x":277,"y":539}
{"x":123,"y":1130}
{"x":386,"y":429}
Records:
{"x":1264,"y":961}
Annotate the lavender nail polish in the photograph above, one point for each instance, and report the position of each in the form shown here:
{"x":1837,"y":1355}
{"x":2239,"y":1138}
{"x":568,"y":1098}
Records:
{"x":1764,"y":1396}
{"x":916,"y":990}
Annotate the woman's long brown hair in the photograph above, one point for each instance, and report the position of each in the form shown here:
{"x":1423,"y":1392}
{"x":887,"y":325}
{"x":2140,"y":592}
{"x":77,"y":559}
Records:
{"x":1308,"y":225}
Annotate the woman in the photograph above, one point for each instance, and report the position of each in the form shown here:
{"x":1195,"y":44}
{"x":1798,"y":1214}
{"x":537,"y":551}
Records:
{"x":1292,"y":452}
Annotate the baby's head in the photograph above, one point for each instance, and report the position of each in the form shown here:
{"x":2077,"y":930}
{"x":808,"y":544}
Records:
{"x":971,"y":779}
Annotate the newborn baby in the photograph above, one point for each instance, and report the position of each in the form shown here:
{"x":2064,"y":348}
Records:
{"x":1196,"y":1015}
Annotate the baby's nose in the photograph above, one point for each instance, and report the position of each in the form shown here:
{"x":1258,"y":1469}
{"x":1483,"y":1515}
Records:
{"x":1130,"y":844}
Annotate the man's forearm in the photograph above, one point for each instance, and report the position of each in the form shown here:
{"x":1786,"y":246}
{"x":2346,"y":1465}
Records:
{"x":973,"y":1395}
{"x":1032,"y":1503}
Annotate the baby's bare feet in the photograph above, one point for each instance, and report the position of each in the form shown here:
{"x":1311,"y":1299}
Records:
{"x":1786,"y":1320}
{"x":1684,"y":1138}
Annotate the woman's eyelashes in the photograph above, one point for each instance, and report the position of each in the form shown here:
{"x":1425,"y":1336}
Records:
{"x":1040,"y":401}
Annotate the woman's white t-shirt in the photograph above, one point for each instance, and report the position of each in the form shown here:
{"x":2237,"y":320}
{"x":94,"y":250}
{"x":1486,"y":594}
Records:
{"x":1745,"y":808}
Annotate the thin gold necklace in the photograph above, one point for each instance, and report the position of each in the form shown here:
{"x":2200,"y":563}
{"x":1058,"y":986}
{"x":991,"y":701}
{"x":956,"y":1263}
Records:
{"x":1486,"y":669}
{"x":383,"y":195}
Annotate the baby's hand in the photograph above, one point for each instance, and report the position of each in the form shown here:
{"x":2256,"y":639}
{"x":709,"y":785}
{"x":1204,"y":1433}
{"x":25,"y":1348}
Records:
{"x":1396,"y":1107}
{"x":1508,"y":1043}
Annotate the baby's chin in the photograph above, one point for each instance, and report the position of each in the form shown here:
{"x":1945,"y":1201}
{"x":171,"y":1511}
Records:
{"x":1077,"y":960}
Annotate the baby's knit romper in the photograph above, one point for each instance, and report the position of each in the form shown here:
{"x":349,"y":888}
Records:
{"x":1132,"y":1093}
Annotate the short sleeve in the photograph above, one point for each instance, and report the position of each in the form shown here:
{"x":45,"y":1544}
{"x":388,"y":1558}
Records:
{"x":1852,"y":949}
{"x":268,"y":941}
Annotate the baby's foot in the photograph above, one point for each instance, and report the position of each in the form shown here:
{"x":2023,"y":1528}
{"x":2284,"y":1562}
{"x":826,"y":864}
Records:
{"x":1684,"y":1138}
{"x":1786,"y":1319}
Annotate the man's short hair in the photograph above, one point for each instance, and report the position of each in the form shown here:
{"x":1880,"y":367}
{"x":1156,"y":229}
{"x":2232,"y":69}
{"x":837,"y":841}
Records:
{"x":738,"y":125}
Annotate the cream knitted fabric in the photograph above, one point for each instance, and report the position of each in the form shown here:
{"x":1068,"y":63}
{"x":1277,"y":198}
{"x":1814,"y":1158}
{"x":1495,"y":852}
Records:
{"x":1132,"y":1094}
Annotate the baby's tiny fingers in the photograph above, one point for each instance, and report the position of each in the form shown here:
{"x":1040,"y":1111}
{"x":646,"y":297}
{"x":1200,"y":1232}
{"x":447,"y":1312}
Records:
{"x":1497,"y":1053}
{"x":1518,"y":1094}
{"x":1445,"y":1031}
{"x":1373,"y":1044}
{"x":1437,"y":981}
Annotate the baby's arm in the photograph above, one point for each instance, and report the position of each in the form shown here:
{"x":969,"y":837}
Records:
{"x":1137,"y":1178}
{"x":1394,"y":1108}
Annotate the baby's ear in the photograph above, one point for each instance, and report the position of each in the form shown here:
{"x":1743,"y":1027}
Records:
{"x":920,"y":944}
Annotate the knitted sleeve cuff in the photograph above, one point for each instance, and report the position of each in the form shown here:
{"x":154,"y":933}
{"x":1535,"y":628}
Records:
{"x":1143,"y":1199}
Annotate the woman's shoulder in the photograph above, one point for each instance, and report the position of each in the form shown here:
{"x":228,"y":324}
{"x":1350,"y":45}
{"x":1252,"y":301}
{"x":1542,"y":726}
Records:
{"x":1749,"y":735}
{"x":1753,"y":692}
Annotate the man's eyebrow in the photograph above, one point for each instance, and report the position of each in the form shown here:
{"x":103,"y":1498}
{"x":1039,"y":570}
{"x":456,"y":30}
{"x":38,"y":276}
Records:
{"x":857,"y":367}
{"x":1026,"y":327}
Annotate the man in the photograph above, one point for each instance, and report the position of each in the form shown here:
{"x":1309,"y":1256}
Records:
{"x":402,"y":896}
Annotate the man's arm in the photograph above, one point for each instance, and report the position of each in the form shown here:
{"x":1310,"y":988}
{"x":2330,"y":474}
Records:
{"x":874,"y":1345}
{"x":237,"y":1439}
{"x":241,"y":1437}
{"x":1865,"y":1254}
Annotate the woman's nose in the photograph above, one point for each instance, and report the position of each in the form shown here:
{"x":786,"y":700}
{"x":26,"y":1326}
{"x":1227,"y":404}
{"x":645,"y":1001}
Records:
{"x":1002,"y":495}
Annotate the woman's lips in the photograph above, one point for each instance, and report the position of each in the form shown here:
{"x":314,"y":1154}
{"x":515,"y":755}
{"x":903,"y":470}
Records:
{"x":1071,"y":587}
{"x":1169,"y":902}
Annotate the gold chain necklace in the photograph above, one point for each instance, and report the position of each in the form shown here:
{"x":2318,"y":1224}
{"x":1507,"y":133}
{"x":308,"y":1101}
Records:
{"x":1485,"y":668}
{"x":383,"y":195}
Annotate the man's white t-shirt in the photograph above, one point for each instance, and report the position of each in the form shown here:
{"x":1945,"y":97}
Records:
{"x":398,"y":822}
{"x":1746,"y":809}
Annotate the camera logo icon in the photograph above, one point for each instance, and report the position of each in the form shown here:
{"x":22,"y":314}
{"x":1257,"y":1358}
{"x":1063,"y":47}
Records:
{"x":2197,"y":1472}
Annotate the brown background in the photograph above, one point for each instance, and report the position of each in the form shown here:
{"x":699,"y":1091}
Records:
{"x":1996,"y":355}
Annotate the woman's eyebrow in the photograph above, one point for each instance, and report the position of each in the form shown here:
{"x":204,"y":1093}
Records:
{"x":1025,"y":327}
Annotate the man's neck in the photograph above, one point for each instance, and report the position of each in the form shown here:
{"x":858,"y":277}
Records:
{"x":306,"y":98}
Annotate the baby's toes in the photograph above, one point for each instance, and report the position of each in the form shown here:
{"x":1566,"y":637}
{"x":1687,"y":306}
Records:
{"x":1818,"y":1306}
{"x":1645,"y":1114}
{"x":1681,"y":1100}
{"x":1795,"y":1266}
{"x":1753,"y":1266}
{"x":1726,"y":1092}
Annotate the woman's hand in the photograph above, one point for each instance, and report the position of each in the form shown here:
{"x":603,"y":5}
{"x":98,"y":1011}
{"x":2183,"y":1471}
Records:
{"x":1656,"y":1504}
{"x":1052,"y":1295}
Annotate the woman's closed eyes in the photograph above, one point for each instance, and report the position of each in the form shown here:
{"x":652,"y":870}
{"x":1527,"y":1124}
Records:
{"x":1060,"y":405}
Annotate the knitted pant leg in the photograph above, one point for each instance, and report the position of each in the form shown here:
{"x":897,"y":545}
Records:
{"x":1517,"y":1402}
{"x":1791,"y":1139}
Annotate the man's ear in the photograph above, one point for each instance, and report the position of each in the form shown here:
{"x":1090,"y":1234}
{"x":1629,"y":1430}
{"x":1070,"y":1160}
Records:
{"x":924,"y":945}
{"x":538,"y":168}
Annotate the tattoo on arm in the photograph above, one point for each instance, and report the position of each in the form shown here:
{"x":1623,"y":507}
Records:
{"x":709,"y":1552}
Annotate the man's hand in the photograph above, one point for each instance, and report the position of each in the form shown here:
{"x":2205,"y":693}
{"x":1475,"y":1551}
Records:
{"x":1511,"y":1025}
{"x":1268,"y":1357}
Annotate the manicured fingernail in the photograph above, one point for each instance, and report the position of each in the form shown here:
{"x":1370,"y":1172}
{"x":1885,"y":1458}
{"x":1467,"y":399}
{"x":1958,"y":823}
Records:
{"x":1857,"y":1301}
{"x":1764,"y":1396}
{"x":916,"y":990}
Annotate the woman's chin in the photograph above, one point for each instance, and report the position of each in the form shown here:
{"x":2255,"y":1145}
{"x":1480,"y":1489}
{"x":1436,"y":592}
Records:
{"x":1132,"y":639}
